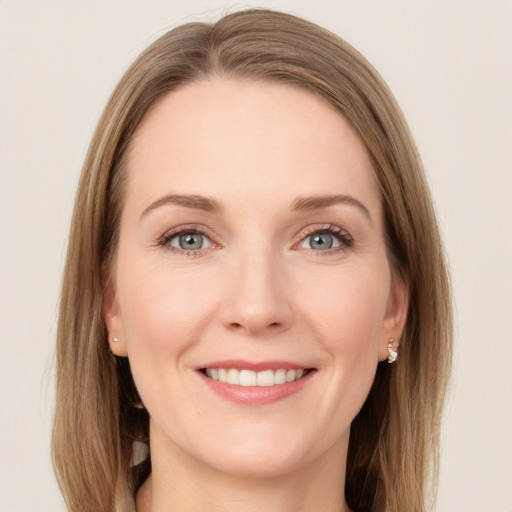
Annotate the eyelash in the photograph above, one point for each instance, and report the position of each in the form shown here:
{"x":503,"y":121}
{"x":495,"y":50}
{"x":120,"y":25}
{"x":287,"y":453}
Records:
{"x":345,"y":240}
{"x":165,"y":239}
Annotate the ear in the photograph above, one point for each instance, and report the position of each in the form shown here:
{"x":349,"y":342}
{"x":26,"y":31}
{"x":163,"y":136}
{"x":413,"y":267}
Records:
{"x":396,"y":314}
{"x":114,"y":321}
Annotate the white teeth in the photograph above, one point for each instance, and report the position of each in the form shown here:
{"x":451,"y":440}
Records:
{"x":265,"y":378}
{"x":246,"y":378}
{"x":233,"y":376}
{"x":280,"y":377}
{"x":291,"y":375}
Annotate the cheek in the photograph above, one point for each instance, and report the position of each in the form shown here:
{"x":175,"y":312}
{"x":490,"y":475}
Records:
{"x":161,"y":309}
{"x":347,"y":318}
{"x":349,"y":306}
{"x":164,"y":313}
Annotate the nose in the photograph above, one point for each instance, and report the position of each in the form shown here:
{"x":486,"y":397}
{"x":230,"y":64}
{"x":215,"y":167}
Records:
{"x":258,"y":295}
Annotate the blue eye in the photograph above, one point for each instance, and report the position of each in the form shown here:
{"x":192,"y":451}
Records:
{"x":322,"y":241}
{"x":188,"y":241}
{"x":327,"y":238}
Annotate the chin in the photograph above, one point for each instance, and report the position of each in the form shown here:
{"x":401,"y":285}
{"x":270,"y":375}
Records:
{"x":262,"y":452}
{"x":267,"y":462}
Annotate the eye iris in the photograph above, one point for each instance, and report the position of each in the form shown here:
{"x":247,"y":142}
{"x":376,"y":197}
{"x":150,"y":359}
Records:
{"x":191,"y":241}
{"x":322,"y":241}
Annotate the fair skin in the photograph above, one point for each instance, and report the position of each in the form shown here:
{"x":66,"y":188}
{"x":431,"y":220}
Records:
{"x":228,"y":260}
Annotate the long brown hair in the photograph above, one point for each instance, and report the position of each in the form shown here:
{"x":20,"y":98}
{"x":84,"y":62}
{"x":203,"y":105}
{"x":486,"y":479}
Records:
{"x":393,"y":449}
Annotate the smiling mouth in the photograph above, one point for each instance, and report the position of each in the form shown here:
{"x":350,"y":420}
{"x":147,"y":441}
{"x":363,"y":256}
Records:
{"x":250,"y":378}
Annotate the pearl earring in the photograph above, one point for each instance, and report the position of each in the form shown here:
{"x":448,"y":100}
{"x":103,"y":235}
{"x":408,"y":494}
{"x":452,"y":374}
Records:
{"x":393,"y":355}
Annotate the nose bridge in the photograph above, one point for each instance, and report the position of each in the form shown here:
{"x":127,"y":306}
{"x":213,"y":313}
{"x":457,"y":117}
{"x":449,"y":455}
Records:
{"x":258,"y":298}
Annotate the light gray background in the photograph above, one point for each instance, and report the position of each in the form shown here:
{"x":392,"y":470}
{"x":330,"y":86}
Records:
{"x":449,"y":64}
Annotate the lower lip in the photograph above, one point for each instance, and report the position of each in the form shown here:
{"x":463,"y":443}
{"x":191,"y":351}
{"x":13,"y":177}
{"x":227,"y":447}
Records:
{"x":257,"y":395}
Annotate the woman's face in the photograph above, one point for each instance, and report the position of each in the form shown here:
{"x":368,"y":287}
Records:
{"x":252,"y":251}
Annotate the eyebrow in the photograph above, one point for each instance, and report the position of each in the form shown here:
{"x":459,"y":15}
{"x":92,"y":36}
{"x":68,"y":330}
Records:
{"x":211,"y":205}
{"x":196,"y":202}
{"x":318,"y":202}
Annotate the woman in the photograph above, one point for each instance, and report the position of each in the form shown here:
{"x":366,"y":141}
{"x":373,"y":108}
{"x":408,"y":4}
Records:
{"x":253,"y":244}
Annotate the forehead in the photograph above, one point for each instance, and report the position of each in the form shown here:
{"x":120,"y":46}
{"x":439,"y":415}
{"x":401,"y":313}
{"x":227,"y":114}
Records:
{"x":244,"y":139}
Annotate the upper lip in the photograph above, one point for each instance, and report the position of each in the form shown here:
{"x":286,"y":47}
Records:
{"x":258,"y":366}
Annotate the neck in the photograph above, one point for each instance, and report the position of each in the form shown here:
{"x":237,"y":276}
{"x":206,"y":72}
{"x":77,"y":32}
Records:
{"x":179,"y":483}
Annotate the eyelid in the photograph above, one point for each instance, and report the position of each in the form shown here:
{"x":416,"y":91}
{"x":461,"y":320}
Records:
{"x":183,"y":229}
{"x":344,"y":238}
